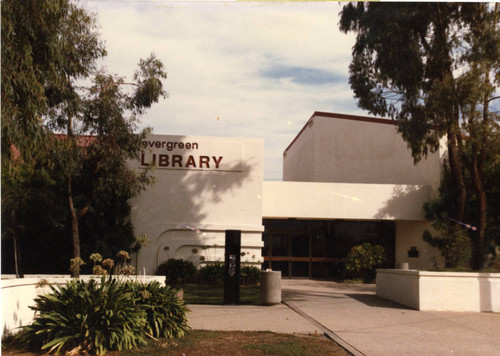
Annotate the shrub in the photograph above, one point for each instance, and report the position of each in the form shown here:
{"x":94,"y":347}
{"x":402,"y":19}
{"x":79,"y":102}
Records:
{"x":165,"y":312}
{"x":111,"y":316}
{"x":453,"y":242}
{"x":250,"y":275}
{"x":97,"y":317}
{"x":177,"y":271}
{"x":363,"y":260}
{"x":211,"y":275}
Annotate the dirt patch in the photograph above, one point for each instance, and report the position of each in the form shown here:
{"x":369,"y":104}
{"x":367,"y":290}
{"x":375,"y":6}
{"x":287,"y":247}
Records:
{"x":199,"y":343}
{"x":234,"y":343}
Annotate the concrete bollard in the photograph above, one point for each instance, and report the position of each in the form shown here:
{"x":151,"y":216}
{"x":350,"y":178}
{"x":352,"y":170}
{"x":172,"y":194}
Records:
{"x":270,"y":287}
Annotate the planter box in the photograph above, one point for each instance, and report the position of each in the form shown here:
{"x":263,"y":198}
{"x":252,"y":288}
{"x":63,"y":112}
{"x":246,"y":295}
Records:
{"x":440,"y":291}
{"x":18,"y":295}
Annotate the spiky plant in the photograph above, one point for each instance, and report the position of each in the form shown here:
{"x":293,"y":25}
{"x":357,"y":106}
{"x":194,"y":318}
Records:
{"x":94,"y":316}
{"x":165,"y":312}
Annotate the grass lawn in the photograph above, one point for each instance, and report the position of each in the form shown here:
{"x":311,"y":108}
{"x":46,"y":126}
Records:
{"x":238,"y":343}
{"x":195,"y":294}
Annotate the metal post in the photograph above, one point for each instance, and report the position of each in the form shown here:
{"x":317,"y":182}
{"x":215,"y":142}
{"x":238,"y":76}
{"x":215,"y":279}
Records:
{"x":232,"y":267}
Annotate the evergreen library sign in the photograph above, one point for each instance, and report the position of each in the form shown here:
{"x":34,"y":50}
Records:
{"x":190,"y":155}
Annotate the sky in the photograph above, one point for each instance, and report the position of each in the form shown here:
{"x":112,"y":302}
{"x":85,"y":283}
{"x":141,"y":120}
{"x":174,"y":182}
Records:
{"x":235,"y":69}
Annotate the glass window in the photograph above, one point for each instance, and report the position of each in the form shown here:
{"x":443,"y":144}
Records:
{"x":281,"y":266}
{"x":322,"y":239}
{"x":279,"y":244}
{"x":300,"y":245}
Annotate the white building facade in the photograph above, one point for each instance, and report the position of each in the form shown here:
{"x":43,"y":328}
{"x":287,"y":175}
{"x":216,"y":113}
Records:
{"x":204,"y":186}
{"x":346,"y":180}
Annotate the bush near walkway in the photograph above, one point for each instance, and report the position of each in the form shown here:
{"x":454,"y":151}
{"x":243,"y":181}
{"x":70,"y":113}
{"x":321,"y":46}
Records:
{"x":177,"y":271}
{"x":99,"y":317}
{"x":363,"y":260}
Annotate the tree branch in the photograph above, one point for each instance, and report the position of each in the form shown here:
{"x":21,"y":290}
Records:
{"x":493,"y":98}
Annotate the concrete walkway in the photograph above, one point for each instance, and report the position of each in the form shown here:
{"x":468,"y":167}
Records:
{"x":360,"y":321}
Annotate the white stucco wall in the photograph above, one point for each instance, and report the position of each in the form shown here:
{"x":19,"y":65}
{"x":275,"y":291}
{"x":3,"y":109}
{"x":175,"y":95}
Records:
{"x":441,"y":291}
{"x":350,"y":149}
{"x":310,"y":200}
{"x":186,"y":212}
{"x":18,"y":295}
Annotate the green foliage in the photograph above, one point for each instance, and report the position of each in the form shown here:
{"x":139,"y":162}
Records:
{"x":200,"y":294}
{"x":97,"y":317}
{"x":46,"y":48}
{"x":177,"y":271}
{"x":211,"y":275}
{"x":453,"y":242}
{"x":32,"y":208}
{"x":106,"y":228}
{"x":165,"y":312}
{"x":434,"y":68}
{"x":105,"y":316}
{"x":249,"y":275}
{"x":42,"y":217}
{"x":363,"y":260}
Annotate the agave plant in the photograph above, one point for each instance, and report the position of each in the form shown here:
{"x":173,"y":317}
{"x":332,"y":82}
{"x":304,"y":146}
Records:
{"x":95,"y":316}
{"x":165,"y":312}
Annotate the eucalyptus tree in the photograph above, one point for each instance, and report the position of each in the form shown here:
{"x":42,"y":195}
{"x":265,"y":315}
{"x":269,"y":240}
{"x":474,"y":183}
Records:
{"x":434,"y":68}
{"x":54,"y":127}
{"x":100,"y":137}
{"x":45,"y":46}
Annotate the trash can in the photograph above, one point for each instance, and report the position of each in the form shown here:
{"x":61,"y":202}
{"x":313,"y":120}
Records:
{"x":270,"y":287}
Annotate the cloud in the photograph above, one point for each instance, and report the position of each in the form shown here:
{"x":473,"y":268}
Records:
{"x":255,"y":66}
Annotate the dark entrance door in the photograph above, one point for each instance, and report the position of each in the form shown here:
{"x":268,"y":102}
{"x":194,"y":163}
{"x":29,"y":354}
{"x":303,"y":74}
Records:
{"x":292,"y":254}
{"x":289,"y":253}
{"x":318,"y":248}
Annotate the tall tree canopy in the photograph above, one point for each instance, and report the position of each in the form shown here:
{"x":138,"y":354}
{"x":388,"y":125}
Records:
{"x":55,"y":131}
{"x":433,"y":67}
{"x":46,"y":45}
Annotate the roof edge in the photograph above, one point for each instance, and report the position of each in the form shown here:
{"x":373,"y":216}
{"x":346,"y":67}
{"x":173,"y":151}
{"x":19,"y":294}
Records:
{"x":341,"y":116}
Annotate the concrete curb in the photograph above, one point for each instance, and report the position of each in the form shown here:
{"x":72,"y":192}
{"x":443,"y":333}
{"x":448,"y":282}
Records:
{"x":329,"y":333}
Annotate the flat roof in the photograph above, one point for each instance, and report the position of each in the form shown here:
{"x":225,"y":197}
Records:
{"x":341,"y":116}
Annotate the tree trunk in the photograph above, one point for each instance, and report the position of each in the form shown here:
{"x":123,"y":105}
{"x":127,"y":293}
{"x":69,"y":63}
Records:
{"x":17,"y":257}
{"x":457,"y":176}
{"x":75,"y":235}
{"x":478,"y":252}
{"x":18,"y":265}
{"x":479,"y":143}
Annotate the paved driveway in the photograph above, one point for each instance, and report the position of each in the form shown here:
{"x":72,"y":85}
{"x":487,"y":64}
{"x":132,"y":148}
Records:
{"x":374,"y":326}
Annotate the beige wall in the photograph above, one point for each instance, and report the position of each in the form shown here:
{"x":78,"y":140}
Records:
{"x":408,"y":234}
{"x":332,"y":149}
{"x":186,"y":212}
{"x":306,"y":200}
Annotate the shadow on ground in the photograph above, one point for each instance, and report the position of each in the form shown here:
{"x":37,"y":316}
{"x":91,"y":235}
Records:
{"x":309,"y":290}
{"x":298,"y":295}
{"x":374,"y":301}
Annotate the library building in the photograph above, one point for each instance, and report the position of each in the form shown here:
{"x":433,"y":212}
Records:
{"x":346,"y":180}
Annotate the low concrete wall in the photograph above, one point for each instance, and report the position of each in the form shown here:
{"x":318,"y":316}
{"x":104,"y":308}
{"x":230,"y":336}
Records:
{"x":441,"y":291}
{"x":18,"y":295}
